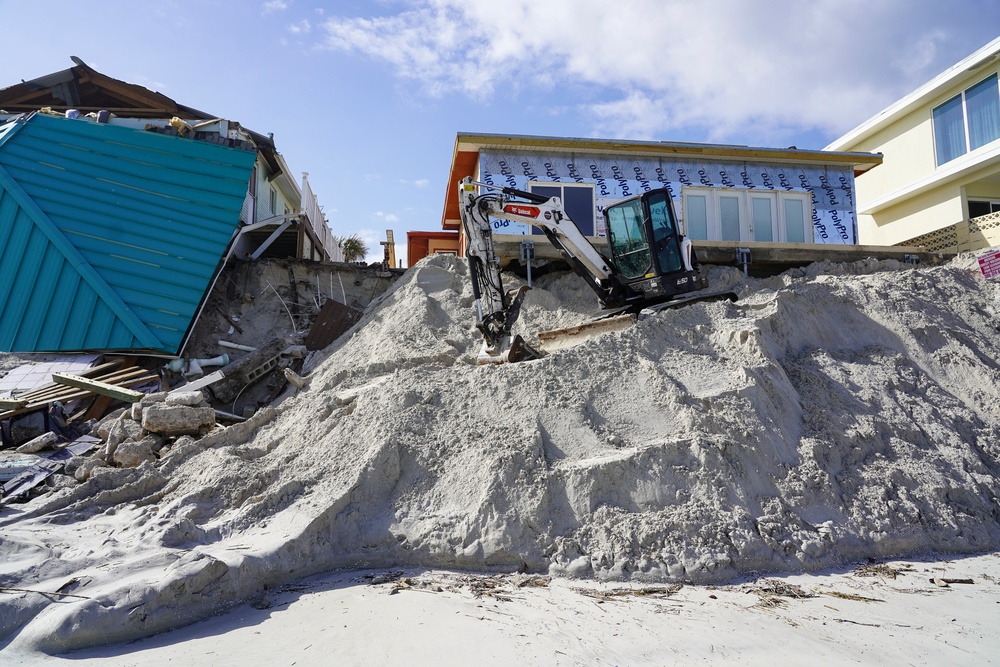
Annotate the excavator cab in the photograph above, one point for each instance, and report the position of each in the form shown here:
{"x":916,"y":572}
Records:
{"x":652,"y":258}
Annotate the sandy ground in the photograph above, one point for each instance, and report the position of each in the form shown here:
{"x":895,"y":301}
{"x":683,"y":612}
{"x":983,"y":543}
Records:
{"x":834,"y":414}
{"x":891,"y":613}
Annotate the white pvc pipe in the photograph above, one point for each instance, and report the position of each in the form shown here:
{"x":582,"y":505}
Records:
{"x":237,"y":346}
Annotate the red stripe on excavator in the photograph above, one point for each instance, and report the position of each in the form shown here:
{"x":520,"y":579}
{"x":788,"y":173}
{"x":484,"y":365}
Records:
{"x":526,"y":211}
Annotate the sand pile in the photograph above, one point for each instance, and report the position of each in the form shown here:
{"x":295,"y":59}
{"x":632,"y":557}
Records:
{"x":832,"y":414}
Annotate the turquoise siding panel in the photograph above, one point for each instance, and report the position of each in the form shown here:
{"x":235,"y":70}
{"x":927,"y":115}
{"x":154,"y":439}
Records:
{"x":109,"y":236}
{"x":125,"y":204}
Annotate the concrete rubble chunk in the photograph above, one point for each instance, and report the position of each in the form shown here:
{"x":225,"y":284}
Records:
{"x":125,"y":429}
{"x":44,"y":441}
{"x":177,"y":419}
{"x":86,"y":469}
{"x":73,"y":464}
{"x":185,"y":398}
{"x":154,"y":442}
{"x":60,"y":482}
{"x":131,"y":454}
{"x":146,"y":401}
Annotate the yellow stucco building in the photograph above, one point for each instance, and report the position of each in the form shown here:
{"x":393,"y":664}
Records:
{"x":939,"y":182}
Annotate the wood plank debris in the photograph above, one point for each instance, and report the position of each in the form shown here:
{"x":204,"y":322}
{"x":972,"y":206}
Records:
{"x":45,"y":396}
{"x":943,"y":582}
{"x":98,"y":387}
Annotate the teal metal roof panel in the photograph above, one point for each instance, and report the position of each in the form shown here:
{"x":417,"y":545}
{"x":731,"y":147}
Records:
{"x":109,"y":236}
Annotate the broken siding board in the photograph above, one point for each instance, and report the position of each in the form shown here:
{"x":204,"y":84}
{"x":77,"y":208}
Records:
{"x":202,"y":382}
{"x":52,"y":463}
{"x":98,"y":387}
{"x":29,"y":479}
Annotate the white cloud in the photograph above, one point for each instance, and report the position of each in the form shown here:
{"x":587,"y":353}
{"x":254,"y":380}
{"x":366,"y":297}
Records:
{"x":726,"y":69}
{"x":420,"y":183}
{"x":300,"y":28}
{"x":274,"y":6}
{"x":387,"y":218}
{"x":146,"y":82}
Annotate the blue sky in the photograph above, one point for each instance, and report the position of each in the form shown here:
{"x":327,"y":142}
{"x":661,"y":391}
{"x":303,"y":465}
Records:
{"x":368,"y":96}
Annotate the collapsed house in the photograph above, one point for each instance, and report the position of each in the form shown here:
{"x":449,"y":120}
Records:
{"x":161,"y":246}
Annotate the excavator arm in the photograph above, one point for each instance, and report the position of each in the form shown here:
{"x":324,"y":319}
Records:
{"x":497,"y":309}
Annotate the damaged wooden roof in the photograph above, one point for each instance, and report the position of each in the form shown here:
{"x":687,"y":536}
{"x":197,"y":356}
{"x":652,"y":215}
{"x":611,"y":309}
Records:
{"x":109,"y":236}
{"x":83,"y":88}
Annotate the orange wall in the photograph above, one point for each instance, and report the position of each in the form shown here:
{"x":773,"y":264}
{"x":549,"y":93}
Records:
{"x":421,"y":244}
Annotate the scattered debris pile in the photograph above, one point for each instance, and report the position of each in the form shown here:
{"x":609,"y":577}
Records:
{"x":58,"y":427}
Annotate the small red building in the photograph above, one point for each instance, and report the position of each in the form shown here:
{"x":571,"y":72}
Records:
{"x":421,"y":244}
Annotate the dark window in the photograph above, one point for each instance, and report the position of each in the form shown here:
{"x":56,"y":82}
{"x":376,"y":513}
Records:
{"x":979,"y":207}
{"x":578,"y":202}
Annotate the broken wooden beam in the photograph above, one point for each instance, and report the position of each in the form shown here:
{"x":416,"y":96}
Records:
{"x":98,"y":387}
{"x":69,"y":394}
{"x":12,"y":403}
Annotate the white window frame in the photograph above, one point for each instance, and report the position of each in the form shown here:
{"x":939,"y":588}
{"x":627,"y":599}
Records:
{"x":745,"y":197}
{"x":965,"y":122}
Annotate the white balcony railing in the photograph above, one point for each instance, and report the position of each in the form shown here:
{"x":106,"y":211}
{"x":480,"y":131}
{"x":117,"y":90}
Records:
{"x":317,"y":222}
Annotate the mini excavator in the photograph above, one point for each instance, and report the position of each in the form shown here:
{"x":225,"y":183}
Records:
{"x":652,"y":265}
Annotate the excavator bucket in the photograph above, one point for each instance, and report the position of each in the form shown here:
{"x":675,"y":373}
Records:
{"x":509,"y":351}
{"x":521,"y":351}
{"x":560,"y":339}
